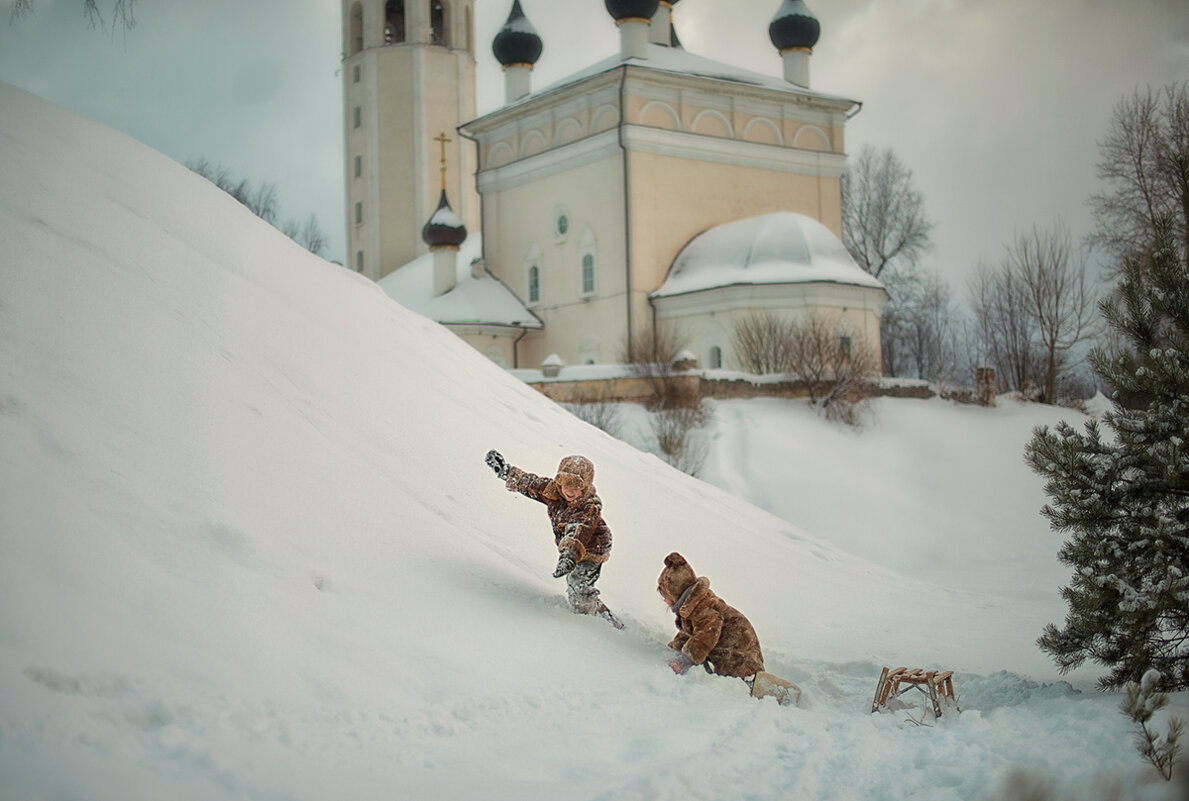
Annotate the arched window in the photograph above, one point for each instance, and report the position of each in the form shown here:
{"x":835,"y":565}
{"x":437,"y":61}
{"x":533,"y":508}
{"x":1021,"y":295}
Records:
{"x":534,"y":284}
{"x":715,"y":360}
{"x":587,"y":250}
{"x":437,"y":22}
{"x":394,"y":22}
{"x":356,"y":34}
{"x":588,"y":274}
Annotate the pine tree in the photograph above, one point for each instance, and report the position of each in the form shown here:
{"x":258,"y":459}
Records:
{"x":1123,"y":498}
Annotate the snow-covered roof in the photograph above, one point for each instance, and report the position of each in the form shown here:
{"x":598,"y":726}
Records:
{"x":779,"y":248}
{"x":473,"y":301}
{"x":679,"y":61}
{"x":445,"y":216}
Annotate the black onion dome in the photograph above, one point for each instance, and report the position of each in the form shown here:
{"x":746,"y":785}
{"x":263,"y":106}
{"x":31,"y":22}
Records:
{"x":444,"y":229}
{"x":629,"y":9}
{"x":794,"y":26}
{"x":517,"y":42}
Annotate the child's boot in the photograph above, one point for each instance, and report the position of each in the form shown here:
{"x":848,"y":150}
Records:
{"x":785,"y":692}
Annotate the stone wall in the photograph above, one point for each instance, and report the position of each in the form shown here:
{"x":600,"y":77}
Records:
{"x":700,"y":385}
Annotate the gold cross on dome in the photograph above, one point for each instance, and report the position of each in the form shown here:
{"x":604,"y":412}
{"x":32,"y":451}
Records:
{"x":442,"y":140}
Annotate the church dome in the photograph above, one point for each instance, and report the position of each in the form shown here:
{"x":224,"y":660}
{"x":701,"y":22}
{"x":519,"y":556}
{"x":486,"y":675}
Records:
{"x":632,"y":9}
{"x":779,"y":248}
{"x":444,"y":229}
{"x":794,"y":26}
{"x":517,"y":42}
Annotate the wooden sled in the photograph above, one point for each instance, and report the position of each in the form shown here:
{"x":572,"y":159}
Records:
{"x":936,"y":685}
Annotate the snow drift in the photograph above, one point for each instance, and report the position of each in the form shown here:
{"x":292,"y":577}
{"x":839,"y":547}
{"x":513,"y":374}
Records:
{"x":251,"y":550}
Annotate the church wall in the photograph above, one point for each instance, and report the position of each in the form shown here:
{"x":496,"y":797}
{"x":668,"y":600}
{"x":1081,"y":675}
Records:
{"x":674,"y":199}
{"x":709,"y":319}
{"x":523,"y":228}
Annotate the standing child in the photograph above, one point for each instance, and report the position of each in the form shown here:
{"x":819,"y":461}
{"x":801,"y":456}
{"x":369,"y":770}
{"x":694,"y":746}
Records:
{"x":582,"y":537}
{"x":714,"y":634}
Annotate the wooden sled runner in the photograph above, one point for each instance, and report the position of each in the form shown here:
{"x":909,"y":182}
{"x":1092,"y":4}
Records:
{"x":936,"y":685}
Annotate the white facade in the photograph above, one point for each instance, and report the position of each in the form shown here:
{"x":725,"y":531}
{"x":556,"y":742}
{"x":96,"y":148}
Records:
{"x":592,"y":186}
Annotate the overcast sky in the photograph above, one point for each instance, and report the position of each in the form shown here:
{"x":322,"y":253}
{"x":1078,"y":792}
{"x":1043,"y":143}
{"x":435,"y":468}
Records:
{"x":995,"y":106}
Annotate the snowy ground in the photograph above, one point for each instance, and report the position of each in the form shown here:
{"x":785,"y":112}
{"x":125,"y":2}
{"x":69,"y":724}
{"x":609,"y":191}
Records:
{"x":251,"y":551}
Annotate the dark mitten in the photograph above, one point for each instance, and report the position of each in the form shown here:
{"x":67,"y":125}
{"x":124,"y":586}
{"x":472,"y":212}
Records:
{"x":497,"y":463}
{"x":565,"y":564}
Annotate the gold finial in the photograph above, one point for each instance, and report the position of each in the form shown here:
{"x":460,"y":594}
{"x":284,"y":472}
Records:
{"x":442,"y":140}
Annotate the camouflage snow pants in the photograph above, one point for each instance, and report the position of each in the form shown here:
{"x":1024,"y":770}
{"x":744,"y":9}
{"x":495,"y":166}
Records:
{"x":580,"y":589}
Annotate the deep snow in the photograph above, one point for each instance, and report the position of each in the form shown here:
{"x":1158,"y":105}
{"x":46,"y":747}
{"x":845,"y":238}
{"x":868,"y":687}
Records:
{"x":251,"y":550}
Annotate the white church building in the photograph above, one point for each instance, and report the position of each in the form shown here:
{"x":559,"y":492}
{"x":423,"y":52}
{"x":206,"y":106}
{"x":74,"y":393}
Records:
{"x":653,"y":189}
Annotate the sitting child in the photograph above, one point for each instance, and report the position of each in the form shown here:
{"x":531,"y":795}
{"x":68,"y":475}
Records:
{"x":576,"y":514}
{"x":714,"y":634}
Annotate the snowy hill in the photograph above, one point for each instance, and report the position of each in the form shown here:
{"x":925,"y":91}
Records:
{"x":250,"y":550}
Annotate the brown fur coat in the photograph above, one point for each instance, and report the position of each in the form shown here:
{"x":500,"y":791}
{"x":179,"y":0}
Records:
{"x":578,"y":526}
{"x":708,"y":629}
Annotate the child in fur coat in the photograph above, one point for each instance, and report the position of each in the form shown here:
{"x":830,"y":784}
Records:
{"x":582,"y":537}
{"x":714,"y":634}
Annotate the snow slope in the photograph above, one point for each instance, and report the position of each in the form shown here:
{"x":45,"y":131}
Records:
{"x":250,"y":550}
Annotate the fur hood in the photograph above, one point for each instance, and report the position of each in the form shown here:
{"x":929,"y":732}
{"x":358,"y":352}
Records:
{"x":574,"y":470}
{"x":709,"y":630}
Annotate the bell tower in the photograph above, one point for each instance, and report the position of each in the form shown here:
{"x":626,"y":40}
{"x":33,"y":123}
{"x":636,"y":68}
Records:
{"x":408,"y":74}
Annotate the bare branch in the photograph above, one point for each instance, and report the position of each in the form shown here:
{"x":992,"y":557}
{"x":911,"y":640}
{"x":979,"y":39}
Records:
{"x":883,"y":218}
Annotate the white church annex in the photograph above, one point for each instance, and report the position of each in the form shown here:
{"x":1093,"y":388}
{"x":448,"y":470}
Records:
{"x":654,"y":188}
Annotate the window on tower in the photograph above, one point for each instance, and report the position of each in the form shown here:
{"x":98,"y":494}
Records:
{"x":394,"y":22}
{"x":356,"y":28}
{"x":437,"y":22}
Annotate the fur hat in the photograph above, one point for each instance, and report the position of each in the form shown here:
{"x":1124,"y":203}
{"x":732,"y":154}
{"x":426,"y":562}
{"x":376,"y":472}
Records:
{"x":676,"y":578}
{"x":576,"y":470}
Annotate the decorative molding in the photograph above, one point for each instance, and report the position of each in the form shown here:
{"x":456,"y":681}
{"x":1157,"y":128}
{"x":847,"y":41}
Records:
{"x":674,"y":117}
{"x":565,"y":125}
{"x":743,"y":297}
{"x":594,"y":148}
{"x":679,"y":144}
{"x":765,"y":123}
{"x":714,"y":115}
{"x":806,"y":130}
{"x":498,"y":150}
{"x":530,"y":139}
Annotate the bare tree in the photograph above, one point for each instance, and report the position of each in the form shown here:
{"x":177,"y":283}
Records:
{"x":883,"y":216}
{"x":312,"y":237}
{"x":651,"y":355}
{"x":763,"y":343}
{"x":678,"y":436}
{"x":122,"y":13}
{"x":1144,"y":160}
{"x":1053,"y":283}
{"x":835,"y":368}
{"x":999,"y":304}
{"x":262,"y":201}
{"x":919,"y":326}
